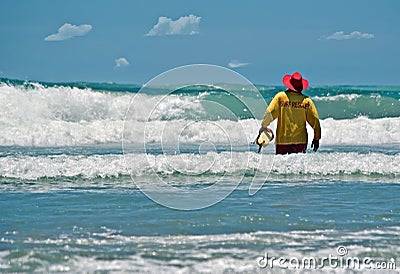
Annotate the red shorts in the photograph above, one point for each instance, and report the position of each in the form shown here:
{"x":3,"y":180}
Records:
{"x":287,"y":149}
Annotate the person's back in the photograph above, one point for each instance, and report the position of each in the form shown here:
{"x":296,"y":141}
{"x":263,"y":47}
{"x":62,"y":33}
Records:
{"x":293,"y":109}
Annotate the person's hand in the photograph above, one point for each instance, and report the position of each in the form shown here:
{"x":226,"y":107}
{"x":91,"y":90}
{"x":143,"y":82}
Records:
{"x":315,"y":145}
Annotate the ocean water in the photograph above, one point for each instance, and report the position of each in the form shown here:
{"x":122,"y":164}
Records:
{"x":93,"y":177}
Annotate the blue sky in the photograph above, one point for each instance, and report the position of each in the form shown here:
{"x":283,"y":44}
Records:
{"x":330,"y":42}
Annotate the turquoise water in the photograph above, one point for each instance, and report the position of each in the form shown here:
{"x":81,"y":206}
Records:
{"x":70,"y":201}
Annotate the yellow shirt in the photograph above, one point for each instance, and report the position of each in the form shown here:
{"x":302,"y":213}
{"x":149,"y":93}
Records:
{"x":292,"y":109}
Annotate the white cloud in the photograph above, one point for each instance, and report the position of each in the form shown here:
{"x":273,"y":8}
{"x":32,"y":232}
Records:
{"x":67,"y":31}
{"x":121,"y":62}
{"x":340,"y":35}
{"x":237,"y":64}
{"x":185,"y":25}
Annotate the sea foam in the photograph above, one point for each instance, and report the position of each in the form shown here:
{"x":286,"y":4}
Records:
{"x":210,"y":164}
{"x":68,"y":116}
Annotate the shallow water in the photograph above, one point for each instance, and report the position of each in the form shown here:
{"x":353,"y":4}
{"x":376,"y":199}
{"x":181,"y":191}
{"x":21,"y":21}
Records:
{"x":71,"y":195}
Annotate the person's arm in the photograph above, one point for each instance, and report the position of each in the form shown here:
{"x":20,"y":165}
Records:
{"x":313,"y":120}
{"x":271,"y":113}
